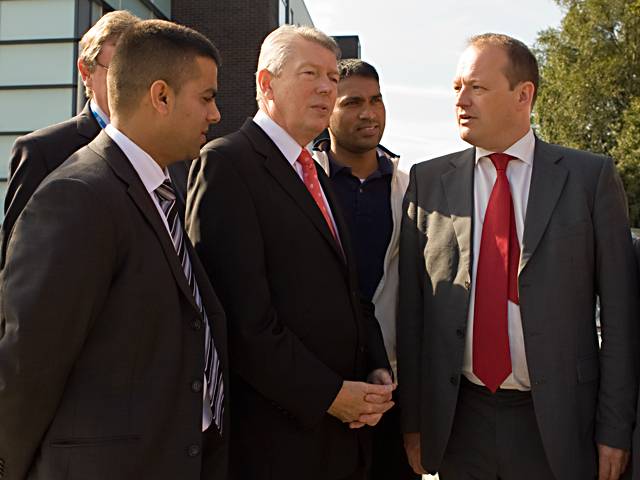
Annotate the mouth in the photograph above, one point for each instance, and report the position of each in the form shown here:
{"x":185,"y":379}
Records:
{"x":320,"y":108}
{"x":369,"y":129}
{"x":464,"y":118}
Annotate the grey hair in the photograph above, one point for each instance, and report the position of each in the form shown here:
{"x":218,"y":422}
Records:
{"x":110,"y":27}
{"x":278,"y":45}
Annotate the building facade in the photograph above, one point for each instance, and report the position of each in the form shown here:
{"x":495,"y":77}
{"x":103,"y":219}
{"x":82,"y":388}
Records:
{"x":39,"y":81}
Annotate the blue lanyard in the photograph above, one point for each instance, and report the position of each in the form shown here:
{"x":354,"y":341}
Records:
{"x":98,"y":118}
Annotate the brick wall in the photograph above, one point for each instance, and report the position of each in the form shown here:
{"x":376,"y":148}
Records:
{"x":237,"y":28}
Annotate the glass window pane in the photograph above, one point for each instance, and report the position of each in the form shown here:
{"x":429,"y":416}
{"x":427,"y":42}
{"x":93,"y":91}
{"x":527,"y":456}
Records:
{"x":36,"y":64}
{"x":6,"y":142}
{"x":164,"y":6}
{"x":32,"y":19}
{"x":26,"y":110}
{"x":3,"y":192}
{"x":134,"y":6}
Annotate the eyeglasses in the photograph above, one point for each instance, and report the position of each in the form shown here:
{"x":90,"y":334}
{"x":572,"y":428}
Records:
{"x":106,"y":67}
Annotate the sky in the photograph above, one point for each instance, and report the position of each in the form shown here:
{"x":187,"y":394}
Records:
{"x":415,"y":45}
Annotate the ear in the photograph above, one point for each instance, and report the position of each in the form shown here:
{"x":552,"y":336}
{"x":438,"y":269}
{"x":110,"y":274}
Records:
{"x":85,"y":73}
{"x":161,"y":96}
{"x":526,"y":91}
{"x":265,"y":77}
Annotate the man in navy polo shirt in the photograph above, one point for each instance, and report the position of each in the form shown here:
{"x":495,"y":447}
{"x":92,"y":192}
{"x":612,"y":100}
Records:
{"x":370,"y":188}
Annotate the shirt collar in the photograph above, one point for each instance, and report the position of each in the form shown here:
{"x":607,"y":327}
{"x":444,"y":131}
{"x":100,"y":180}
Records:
{"x":101,"y":117}
{"x":385,"y":166}
{"x":145,"y":166}
{"x":285,"y":142}
{"x":523,"y":149}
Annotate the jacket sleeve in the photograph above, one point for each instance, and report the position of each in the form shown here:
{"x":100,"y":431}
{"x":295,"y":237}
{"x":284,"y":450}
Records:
{"x":27,"y":168}
{"x":376,"y":351}
{"x":410,"y":318}
{"x":224,"y":226}
{"x":56,"y":275}
{"x":617,"y":286}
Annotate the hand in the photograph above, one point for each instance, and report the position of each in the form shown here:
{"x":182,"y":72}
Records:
{"x":612,"y":461}
{"x":361,"y":402}
{"x":412,"y":447}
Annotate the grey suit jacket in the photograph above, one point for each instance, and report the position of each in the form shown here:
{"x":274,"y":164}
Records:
{"x":576,"y":245}
{"x":101,"y":343}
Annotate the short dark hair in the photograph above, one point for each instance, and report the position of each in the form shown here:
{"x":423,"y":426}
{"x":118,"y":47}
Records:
{"x":353,"y":67}
{"x":522,"y":67}
{"x":154,"y":50}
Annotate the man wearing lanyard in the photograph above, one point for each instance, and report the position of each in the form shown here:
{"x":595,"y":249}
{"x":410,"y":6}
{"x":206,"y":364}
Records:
{"x":37,"y":154}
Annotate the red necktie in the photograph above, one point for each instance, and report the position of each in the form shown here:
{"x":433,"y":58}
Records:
{"x":310,"y":179}
{"x":496,"y":282}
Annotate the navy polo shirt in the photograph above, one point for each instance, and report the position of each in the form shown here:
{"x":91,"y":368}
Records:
{"x":367,"y":210}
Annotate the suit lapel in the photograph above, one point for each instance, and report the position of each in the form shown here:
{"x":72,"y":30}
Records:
{"x":111,"y":153}
{"x":288,"y":179}
{"x":458,"y":188}
{"x":547,"y":181}
{"x":337,"y":217}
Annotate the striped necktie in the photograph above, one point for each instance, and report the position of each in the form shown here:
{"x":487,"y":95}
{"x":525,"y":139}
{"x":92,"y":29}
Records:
{"x":213,"y":387}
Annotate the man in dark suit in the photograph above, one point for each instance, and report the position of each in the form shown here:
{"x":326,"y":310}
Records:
{"x":112,"y":342}
{"x":504,"y":248}
{"x":270,"y":234}
{"x":36,"y":155}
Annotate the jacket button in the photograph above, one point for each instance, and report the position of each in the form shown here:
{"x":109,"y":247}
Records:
{"x":362,"y":349}
{"x":460,"y":332}
{"x":193,"y":450}
{"x":196,"y":386}
{"x":196,"y":324}
{"x":453,"y":379}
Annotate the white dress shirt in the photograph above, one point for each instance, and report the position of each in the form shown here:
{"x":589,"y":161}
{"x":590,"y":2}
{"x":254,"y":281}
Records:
{"x":519,"y":175}
{"x":291,"y":151}
{"x":145,"y":166}
{"x":152,"y":176}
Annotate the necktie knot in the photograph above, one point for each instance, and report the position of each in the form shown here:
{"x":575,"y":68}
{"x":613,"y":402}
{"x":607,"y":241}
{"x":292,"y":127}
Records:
{"x":305,"y":159}
{"x":500,"y":160}
{"x":166,"y":191}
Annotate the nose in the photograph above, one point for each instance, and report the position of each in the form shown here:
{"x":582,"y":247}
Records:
{"x":367,"y":113}
{"x":213,"y":113}
{"x":326,"y":85}
{"x":462,"y":97}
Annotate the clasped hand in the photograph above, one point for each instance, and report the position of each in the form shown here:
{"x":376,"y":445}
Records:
{"x":362,"y":403}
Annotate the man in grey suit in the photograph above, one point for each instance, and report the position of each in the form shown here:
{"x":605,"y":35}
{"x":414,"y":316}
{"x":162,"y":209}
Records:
{"x":504,"y":249}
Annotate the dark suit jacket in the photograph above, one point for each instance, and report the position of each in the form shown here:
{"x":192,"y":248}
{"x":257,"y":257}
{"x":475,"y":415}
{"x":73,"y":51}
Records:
{"x":296,"y":329}
{"x":576,"y":245}
{"x":634,"y":468}
{"x":36,"y":155}
{"x":101,"y":343}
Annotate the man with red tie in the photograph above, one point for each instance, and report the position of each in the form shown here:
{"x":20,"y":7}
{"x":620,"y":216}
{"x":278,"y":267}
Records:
{"x":310,"y":370}
{"x":504,"y":249}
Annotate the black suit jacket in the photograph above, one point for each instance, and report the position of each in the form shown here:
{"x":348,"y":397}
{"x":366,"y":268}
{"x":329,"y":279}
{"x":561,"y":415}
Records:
{"x":576,"y":245}
{"x":101,"y":343}
{"x":36,"y":155}
{"x":296,"y":327}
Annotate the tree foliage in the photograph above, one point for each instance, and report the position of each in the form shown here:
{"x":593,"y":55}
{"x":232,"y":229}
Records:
{"x":590,"y":84}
